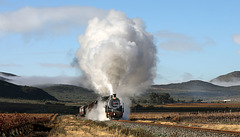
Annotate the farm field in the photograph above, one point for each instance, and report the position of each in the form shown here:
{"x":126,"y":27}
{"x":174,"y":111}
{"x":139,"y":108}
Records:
{"x":228,"y":121}
{"x":200,"y":105}
{"x":188,"y":107}
{"x":29,"y":107}
{"x":221,"y":116}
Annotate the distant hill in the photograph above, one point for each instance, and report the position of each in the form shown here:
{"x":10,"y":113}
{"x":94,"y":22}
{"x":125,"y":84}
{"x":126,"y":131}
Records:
{"x":4,"y":79}
{"x":9,"y":90}
{"x":71,"y":93}
{"x":194,"y":89}
{"x":8,"y":74}
{"x":197,"y":89}
{"x":229,"y":79}
{"x":190,"y":85}
{"x":235,"y":88}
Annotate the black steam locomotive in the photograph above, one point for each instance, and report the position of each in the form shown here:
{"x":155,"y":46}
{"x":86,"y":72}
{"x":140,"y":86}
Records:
{"x":113,"y":108}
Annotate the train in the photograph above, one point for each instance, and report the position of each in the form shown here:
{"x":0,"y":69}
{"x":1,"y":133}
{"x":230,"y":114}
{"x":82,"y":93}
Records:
{"x":113,"y":107}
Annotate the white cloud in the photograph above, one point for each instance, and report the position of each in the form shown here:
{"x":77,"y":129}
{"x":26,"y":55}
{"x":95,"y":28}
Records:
{"x":180,"y":42}
{"x":172,"y":35}
{"x":236,"y":38}
{"x":187,"y":76}
{"x":53,"y":20}
{"x":179,"y":45}
{"x":10,"y":65}
{"x":49,"y":65}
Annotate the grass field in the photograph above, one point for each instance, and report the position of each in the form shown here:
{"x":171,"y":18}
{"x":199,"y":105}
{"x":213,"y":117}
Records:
{"x":188,"y":107}
{"x":222,"y":116}
{"x":206,"y":105}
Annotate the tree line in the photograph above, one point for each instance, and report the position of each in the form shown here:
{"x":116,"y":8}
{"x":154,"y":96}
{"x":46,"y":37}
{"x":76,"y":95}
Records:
{"x":160,"y":98}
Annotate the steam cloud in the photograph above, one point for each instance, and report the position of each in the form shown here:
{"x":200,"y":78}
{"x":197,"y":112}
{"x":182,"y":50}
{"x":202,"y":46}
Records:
{"x":118,"y":56}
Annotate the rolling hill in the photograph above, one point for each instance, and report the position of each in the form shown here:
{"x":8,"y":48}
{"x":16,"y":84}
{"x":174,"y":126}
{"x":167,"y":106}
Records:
{"x":194,"y":89}
{"x":9,"y":90}
{"x":4,"y":76}
{"x":230,"y":79}
{"x":8,"y":74}
{"x":71,"y":93}
{"x":197,"y":89}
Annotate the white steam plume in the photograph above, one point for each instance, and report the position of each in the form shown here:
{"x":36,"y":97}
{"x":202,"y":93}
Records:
{"x":117,"y":55}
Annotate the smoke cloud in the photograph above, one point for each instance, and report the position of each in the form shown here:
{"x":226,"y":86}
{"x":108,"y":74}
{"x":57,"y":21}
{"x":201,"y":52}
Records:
{"x":117,"y":55}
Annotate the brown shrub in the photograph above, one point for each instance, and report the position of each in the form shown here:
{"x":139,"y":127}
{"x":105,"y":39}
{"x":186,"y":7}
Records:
{"x":176,"y":119}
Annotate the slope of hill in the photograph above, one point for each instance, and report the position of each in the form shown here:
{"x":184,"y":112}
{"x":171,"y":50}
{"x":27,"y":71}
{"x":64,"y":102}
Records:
{"x":230,"y":79}
{"x":191,"y":85}
{"x":197,"y":89}
{"x":235,"y":88}
{"x":71,"y":93}
{"x":8,"y":74}
{"x":4,"y":79}
{"x":4,"y":76}
{"x":9,"y":90}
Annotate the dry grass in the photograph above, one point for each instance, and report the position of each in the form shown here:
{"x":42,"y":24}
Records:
{"x":221,"y":121}
{"x":71,"y":127}
{"x":198,"y":117}
{"x":206,"y":105}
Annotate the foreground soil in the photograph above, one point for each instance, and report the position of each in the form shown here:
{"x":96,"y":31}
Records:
{"x":70,"y":126}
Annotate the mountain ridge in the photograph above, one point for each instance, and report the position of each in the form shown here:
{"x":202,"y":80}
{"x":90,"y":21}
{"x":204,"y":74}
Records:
{"x":9,"y":90}
{"x":229,"y":77}
{"x":194,"y":88}
{"x":197,"y":89}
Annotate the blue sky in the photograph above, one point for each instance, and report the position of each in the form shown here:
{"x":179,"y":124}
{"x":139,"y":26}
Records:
{"x":194,"y":39}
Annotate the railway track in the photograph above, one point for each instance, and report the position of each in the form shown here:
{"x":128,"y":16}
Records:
{"x":176,"y":130}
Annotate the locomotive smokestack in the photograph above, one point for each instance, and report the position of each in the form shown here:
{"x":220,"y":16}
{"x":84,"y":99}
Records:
{"x":114,"y":96}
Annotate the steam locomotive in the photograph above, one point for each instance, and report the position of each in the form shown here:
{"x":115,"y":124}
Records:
{"x":113,"y":107}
